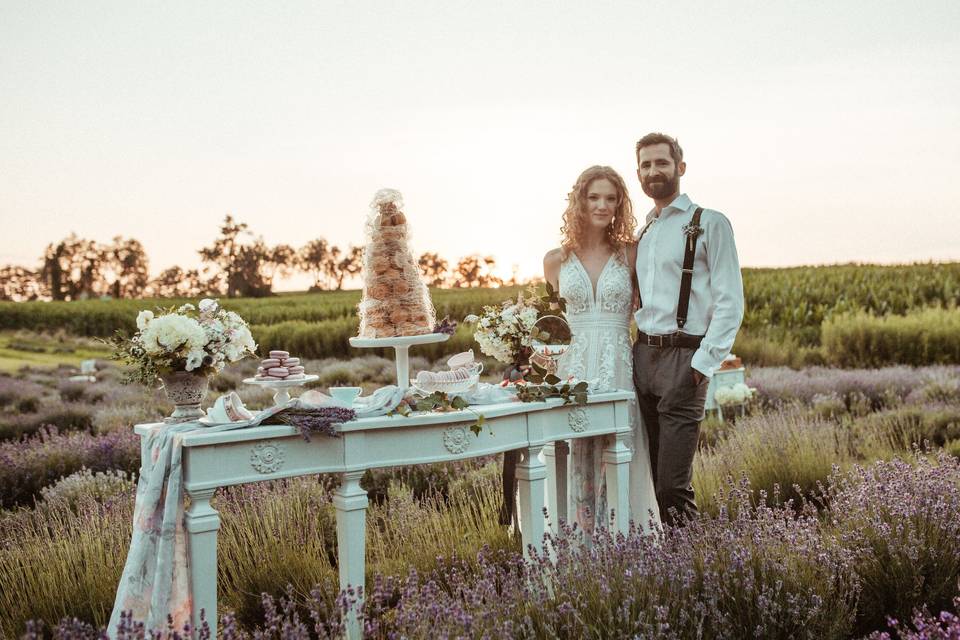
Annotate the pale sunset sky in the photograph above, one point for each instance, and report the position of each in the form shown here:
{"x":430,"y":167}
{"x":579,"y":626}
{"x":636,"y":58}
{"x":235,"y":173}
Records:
{"x":827,"y":131}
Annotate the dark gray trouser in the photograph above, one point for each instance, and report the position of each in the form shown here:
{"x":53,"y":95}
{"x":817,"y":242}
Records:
{"x":672,"y":407}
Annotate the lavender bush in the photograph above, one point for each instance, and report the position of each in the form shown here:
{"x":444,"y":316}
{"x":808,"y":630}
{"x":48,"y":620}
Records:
{"x":879,"y":388}
{"x":901,"y":521}
{"x":945,"y":626}
{"x":782,"y":448}
{"x":33,"y":463}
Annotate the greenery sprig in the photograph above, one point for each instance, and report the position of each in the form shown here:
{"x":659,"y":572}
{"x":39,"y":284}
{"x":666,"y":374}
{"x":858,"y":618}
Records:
{"x":550,"y":388}
{"x":440,"y":402}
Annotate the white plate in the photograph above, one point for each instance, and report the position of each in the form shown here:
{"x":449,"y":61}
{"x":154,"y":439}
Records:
{"x":282,"y":383}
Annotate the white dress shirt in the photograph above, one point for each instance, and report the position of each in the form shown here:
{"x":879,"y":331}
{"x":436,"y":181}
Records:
{"x":716,"y":292}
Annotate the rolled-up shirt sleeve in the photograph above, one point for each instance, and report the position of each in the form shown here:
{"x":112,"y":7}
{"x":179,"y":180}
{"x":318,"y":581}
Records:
{"x":726,"y":288}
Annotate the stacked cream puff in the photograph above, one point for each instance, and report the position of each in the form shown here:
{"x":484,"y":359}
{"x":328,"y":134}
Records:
{"x":280,"y":366}
{"x":395,"y":300}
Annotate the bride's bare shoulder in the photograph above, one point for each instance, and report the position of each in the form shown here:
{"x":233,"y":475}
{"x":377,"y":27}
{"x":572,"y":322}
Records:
{"x":553,"y":257}
{"x":551,"y":265}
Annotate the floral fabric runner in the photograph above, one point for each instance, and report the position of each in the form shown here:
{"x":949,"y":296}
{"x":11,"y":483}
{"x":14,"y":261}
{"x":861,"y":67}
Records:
{"x":156,"y":581}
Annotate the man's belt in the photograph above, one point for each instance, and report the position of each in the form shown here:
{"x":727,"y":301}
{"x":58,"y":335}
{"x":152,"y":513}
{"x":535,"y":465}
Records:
{"x":671,"y":340}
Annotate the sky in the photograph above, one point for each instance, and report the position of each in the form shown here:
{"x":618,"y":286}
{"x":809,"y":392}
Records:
{"x":827,"y":132}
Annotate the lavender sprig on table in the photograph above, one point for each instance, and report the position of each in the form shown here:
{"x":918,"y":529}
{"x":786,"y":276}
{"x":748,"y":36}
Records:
{"x":446,"y":326}
{"x":323,"y":420}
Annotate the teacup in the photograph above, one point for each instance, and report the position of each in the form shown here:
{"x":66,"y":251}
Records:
{"x":345,"y":395}
{"x":463,"y":359}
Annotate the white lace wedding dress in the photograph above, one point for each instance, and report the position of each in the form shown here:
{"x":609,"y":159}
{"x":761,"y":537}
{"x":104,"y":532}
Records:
{"x":600,"y":349}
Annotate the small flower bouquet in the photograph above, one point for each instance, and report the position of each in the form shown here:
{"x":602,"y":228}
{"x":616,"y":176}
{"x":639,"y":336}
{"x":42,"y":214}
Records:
{"x":504,"y":331}
{"x":737,"y":394}
{"x":507,"y":331}
{"x":199,"y":341}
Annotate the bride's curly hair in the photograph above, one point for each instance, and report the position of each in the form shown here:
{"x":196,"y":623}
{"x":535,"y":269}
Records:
{"x":619,"y":232}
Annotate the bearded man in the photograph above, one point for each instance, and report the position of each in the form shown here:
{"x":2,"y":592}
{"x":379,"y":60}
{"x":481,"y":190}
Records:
{"x":689,"y":311}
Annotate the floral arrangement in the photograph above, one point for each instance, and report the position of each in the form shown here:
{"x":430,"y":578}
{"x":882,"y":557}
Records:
{"x":201,"y":340}
{"x":506,"y":331}
{"x":733,"y":395}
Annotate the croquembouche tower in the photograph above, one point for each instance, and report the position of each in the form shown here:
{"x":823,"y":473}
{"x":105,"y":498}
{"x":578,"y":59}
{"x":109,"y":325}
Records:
{"x":395,"y":300}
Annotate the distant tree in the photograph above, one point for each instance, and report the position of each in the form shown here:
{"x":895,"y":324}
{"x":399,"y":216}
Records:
{"x":434,"y":269}
{"x":72,"y":269}
{"x":476,"y":271}
{"x":177,"y":283}
{"x":239,"y":258}
{"x":349,"y":265}
{"x":312,"y":258}
{"x":126,"y":262}
{"x":280,"y":261}
{"x":19,"y":283}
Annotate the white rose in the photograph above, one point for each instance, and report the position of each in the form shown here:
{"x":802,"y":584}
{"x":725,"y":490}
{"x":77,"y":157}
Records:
{"x":194,"y":360}
{"x":208,"y":306}
{"x":143,"y":318}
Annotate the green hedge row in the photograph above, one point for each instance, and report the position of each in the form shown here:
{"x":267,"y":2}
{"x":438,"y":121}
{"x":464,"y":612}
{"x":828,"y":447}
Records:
{"x":928,"y":336}
{"x":101,"y":318}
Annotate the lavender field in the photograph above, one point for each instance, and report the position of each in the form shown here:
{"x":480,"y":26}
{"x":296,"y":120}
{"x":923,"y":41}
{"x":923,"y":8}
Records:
{"x":833,"y":503}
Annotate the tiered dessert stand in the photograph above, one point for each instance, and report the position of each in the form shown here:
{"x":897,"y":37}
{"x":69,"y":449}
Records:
{"x":401,"y":345}
{"x":282,"y":387}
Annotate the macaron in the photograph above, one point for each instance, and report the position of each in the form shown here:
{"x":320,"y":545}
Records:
{"x":279,"y":354}
{"x":267,"y":377}
{"x":295,"y":369}
{"x":280,"y":372}
{"x":270,"y":362}
{"x":289,"y":362}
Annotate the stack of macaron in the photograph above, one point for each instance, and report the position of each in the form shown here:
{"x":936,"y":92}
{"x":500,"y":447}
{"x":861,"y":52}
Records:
{"x":280,"y":366}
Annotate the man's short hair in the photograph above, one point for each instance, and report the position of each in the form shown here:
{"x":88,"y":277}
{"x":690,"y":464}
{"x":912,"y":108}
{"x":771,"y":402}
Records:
{"x":661,"y":138}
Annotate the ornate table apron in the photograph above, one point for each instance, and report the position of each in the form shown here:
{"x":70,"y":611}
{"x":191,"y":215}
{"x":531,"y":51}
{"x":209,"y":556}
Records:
{"x":225,"y":458}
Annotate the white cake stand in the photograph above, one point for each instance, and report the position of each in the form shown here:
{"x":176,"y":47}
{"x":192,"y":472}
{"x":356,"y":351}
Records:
{"x":400,"y":344}
{"x":282,"y":396}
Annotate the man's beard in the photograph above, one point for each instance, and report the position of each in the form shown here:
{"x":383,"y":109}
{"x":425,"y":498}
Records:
{"x":660,"y":190}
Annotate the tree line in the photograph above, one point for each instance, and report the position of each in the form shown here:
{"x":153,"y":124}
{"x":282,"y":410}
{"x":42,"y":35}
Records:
{"x":237,"y":263}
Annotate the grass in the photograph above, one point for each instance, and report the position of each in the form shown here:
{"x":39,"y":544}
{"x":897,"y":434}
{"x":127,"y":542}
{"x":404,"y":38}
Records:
{"x":22,"y":349}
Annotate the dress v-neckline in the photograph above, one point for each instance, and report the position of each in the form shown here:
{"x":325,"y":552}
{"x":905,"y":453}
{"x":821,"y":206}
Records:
{"x":596,"y":285}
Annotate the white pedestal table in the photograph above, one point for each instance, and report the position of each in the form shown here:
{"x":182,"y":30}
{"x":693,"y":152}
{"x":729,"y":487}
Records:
{"x":219,"y":459}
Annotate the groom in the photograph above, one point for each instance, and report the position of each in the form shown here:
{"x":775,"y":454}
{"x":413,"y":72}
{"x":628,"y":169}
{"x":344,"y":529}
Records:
{"x":690,"y":308}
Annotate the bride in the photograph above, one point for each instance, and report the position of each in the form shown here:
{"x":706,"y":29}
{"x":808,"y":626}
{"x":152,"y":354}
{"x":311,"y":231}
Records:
{"x":593,"y":271}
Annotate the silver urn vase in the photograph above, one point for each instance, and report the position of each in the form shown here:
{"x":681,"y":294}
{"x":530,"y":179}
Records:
{"x":185,"y":390}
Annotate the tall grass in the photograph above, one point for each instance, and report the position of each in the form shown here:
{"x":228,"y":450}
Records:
{"x":65,"y":557}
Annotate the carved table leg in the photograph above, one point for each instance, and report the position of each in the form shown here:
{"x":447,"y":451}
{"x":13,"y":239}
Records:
{"x":351,"y":504}
{"x":203,"y":522}
{"x":531,"y":473}
{"x":617,"y":458}
{"x":555,"y":454}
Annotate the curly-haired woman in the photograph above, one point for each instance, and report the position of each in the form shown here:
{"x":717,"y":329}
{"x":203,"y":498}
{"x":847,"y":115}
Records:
{"x":593,"y":271}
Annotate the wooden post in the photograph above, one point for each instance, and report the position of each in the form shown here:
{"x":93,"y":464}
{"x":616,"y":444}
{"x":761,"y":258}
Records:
{"x":531,"y":474}
{"x":351,"y":502}
{"x":617,"y":458}
{"x":555,"y":454}
{"x":203,"y":522}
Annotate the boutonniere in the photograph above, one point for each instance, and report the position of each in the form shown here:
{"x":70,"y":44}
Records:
{"x":692,"y":231}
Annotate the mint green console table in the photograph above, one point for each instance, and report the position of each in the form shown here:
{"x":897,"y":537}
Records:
{"x":220,"y":459}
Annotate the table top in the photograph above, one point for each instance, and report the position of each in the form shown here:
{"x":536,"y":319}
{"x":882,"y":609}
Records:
{"x":200,"y":437}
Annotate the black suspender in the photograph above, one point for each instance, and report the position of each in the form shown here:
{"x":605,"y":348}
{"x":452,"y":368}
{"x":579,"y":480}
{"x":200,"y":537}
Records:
{"x":691,"y":232}
{"x":639,"y":238}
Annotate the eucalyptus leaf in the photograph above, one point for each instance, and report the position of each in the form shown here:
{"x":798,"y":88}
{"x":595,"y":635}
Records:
{"x":551,"y":379}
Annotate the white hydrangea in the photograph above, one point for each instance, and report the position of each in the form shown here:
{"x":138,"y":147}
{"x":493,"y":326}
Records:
{"x":172,"y":332}
{"x":143,"y":318}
